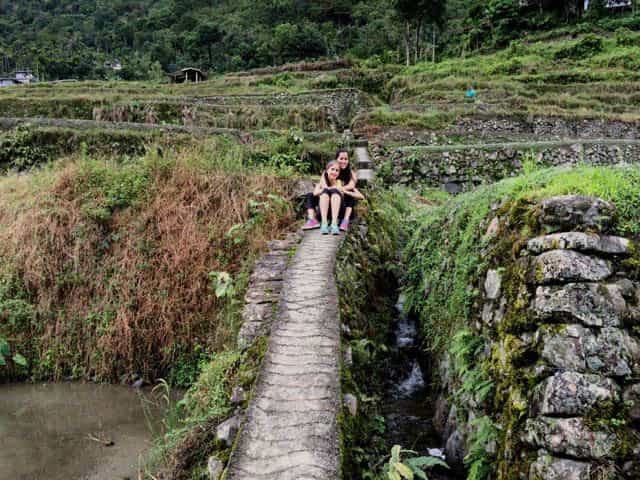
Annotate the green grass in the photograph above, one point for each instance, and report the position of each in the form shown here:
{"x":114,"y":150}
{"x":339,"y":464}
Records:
{"x":565,"y":78}
{"x":444,"y":256}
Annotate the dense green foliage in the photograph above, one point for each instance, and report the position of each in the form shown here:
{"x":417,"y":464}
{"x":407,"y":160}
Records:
{"x":82,"y":39}
{"x":366,"y":275}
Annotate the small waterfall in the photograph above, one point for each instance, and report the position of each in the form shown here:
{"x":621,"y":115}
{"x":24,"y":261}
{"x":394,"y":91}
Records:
{"x":411,"y":385}
{"x":408,"y":412}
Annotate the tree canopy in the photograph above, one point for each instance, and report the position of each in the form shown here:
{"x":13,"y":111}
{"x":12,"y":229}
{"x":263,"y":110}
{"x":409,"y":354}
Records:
{"x":83,"y":38}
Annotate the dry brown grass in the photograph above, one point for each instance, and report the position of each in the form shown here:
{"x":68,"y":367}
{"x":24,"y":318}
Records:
{"x":130,"y":294}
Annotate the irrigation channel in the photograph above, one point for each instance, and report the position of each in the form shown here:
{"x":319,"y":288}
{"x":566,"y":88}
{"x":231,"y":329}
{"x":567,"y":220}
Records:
{"x":407,"y":407}
{"x":62,"y":431}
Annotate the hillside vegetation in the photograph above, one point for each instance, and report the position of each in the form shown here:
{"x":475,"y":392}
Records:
{"x":108,"y":265}
{"x":82,"y":39}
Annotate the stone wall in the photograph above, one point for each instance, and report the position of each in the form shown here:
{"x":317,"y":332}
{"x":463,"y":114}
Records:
{"x":458,"y":169}
{"x":488,"y":127}
{"x":319,"y":110}
{"x":340,"y":105}
{"x":560,"y":321}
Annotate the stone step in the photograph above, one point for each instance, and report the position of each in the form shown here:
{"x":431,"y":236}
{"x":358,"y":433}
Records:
{"x":366,"y":175}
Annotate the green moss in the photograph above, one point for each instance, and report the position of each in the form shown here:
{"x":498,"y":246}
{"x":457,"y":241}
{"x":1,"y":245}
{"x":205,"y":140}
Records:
{"x":365,"y":275}
{"x":632,"y":263}
{"x":447,"y":259}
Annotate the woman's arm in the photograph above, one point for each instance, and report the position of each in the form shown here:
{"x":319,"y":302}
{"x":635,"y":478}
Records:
{"x":355,"y":193}
{"x":320,"y":186}
{"x":352,"y":183}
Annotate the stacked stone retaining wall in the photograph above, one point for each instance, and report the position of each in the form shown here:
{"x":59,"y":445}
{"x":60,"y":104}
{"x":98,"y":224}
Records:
{"x":561,"y":324}
{"x":463,"y":167}
{"x":475,"y":128}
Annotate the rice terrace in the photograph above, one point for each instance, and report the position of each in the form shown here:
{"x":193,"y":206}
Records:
{"x":330,"y":240}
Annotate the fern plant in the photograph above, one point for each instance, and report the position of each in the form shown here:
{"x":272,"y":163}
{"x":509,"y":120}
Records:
{"x":410,"y":467}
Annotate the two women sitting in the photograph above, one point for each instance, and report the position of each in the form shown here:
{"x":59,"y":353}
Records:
{"x":335,"y":194}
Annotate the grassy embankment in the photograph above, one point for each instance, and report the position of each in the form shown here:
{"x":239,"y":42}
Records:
{"x":249,"y":102}
{"x":107,"y":265}
{"x":447,"y":256}
{"x":592,"y":76}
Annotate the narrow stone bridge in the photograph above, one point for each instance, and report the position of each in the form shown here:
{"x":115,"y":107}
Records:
{"x":291,"y":430}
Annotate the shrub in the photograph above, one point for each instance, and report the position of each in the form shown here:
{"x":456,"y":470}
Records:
{"x":112,"y":259}
{"x":588,"y":46}
{"x":627,"y":38}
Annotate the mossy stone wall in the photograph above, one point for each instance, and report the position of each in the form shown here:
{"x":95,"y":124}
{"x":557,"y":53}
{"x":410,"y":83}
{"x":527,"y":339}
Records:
{"x":542,"y":382}
{"x":458,"y":169}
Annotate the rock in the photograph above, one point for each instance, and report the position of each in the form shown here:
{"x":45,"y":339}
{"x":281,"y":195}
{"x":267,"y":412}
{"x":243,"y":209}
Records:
{"x":238,"y":395}
{"x":440,"y":414}
{"x":303,"y":187}
{"x":487,"y":313}
{"x":348,"y":357}
{"x":263,"y":292}
{"x":214,"y":467}
{"x":572,"y":393}
{"x":564,"y":347}
{"x":589,"y":303}
{"x":452,"y":187}
{"x":570,"y":437}
{"x":227,"y":430}
{"x":631,"y":396}
{"x":351,"y":402}
{"x":451,"y":423}
{"x":612,"y":352}
{"x":631,"y":469}
{"x":583,"y":242}
{"x":279,"y":245}
{"x":455,"y":449}
{"x":492,"y":229}
{"x":138,"y":383}
{"x":570,"y":211}
{"x":564,"y":266}
{"x":265,"y":274}
{"x":547,"y":467}
{"x":492,"y":284}
{"x":257,"y":312}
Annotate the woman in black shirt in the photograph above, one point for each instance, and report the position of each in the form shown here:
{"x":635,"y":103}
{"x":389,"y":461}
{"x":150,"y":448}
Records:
{"x":346,"y":183}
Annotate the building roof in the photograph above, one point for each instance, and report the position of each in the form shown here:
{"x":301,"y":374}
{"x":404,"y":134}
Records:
{"x":187,"y":69}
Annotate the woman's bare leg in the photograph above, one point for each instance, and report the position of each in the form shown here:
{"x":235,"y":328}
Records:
{"x":324,"y":207}
{"x":311,"y":213}
{"x":335,"y":208}
{"x":347,"y":213}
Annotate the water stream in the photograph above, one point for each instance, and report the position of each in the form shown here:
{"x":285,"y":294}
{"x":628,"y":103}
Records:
{"x":407,"y":408}
{"x":64,"y":431}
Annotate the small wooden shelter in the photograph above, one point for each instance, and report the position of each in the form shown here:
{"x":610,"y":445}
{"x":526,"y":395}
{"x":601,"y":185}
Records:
{"x":188,"y":74}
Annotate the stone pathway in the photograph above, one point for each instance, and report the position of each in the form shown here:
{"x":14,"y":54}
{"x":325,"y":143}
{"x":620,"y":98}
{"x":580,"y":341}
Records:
{"x":364,"y":164}
{"x":291,"y":427}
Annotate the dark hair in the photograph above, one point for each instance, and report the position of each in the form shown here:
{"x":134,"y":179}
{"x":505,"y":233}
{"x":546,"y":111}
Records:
{"x":339,"y":151}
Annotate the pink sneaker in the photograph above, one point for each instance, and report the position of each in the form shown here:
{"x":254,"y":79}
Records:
{"x":344,"y":225}
{"x":311,"y":224}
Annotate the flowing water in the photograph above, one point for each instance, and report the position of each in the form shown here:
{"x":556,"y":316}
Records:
{"x":407,"y":408}
{"x":72,"y":431}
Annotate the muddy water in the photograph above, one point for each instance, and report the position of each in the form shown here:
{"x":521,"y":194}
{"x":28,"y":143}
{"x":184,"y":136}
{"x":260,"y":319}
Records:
{"x":56,"y":431}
